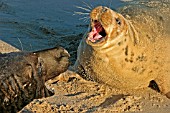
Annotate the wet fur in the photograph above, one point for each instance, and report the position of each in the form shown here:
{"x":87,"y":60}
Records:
{"x":23,"y":76}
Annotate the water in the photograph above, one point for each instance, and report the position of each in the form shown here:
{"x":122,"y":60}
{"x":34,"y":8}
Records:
{"x":37,"y":24}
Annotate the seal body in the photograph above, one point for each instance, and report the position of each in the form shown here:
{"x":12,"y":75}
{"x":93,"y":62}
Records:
{"x":23,"y":76}
{"x":129,"y":49}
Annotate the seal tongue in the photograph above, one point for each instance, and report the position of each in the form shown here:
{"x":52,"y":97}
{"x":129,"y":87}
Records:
{"x":94,"y":34}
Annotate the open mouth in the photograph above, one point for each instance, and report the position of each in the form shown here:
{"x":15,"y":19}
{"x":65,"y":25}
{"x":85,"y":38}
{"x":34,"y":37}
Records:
{"x":97,"y":33}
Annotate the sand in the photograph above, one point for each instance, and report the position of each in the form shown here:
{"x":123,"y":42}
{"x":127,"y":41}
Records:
{"x":6,"y":48}
{"x":78,"y":95}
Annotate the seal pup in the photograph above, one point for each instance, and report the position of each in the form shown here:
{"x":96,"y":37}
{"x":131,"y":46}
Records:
{"x":23,"y":76}
{"x":127,"y":50}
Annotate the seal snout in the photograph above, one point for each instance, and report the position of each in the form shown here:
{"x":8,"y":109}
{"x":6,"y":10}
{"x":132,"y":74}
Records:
{"x":54,"y":61}
{"x":105,"y":23}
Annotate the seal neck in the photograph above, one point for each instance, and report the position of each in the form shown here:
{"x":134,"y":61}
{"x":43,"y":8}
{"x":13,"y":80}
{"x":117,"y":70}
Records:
{"x":133,"y":35}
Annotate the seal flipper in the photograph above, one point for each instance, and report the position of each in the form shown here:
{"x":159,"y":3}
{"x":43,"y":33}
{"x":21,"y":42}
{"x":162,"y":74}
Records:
{"x":168,"y":95}
{"x":164,"y":84}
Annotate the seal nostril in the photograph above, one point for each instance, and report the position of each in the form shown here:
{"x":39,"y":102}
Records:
{"x":95,"y":21}
{"x":104,"y":9}
{"x":118,"y":21}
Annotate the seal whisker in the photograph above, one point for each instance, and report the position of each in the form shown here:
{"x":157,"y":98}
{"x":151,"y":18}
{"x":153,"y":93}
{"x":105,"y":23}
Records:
{"x":87,"y":8}
{"x":84,"y":18}
{"x":21,"y":44}
{"x":87,"y":5}
{"x":31,"y":47}
{"x":80,"y":13}
{"x":110,"y":3}
{"x":83,"y":8}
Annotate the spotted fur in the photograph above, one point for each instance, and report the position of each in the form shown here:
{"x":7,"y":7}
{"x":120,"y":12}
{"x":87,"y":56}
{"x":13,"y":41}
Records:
{"x":134,"y":51}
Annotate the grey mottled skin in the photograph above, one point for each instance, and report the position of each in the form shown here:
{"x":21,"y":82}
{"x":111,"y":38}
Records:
{"x":135,"y":49}
{"x":23,"y":76}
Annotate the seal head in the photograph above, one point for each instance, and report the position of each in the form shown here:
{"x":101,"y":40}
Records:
{"x":104,"y":27}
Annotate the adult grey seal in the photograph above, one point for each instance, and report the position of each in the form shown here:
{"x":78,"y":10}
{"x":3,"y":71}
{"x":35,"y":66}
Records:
{"x":23,"y":76}
{"x":128,"y":50}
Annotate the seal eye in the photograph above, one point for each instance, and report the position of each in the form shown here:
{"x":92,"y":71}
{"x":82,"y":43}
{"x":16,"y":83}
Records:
{"x":118,"y":21}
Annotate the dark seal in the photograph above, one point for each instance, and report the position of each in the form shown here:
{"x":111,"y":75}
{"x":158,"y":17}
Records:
{"x":23,"y":76}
